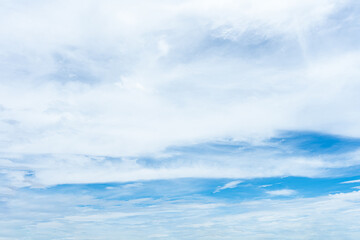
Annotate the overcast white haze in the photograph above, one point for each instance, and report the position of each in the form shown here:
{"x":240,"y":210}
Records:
{"x":179,"y":119}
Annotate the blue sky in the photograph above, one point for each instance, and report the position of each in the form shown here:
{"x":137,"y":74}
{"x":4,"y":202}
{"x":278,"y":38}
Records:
{"x":179,"y":119}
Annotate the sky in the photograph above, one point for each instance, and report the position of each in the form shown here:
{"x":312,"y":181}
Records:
{"x":177,"y":120}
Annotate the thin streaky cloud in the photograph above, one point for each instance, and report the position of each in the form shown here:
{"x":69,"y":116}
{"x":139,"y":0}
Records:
{"x":352,"y":181}
{"x":282,"y":192}
{"x":232,"y":184}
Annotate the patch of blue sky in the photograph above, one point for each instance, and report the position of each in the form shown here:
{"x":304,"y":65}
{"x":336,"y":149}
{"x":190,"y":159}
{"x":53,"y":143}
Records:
{"x":286,"y":144}
{"x":193,"y":188}
{"x":314,"y":143}
{"x":197,"y":189}
{"x":177,"y":208}
{"x":349,"y":171}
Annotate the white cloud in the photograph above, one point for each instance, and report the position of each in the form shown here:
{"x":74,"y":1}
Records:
{"x":282,"y":192}
{"x":232,"y":184}
{"x":352,"y":181}
{"x":335,"y":217}
{"x":88,"y":88}
{"x":130,"y":82}
{"x":52,"y":169}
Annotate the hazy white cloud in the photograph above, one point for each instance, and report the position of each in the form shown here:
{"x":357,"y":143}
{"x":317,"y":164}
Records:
{"x":47,"y":170}
{"x":282,"y":192}
{"x":335,"y":216}
{"x":138,"y":82}
{"x":99,"y":91}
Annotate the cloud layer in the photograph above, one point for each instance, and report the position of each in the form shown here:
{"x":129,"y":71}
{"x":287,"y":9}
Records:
{"x":131,"y":81}
{"x":92,"y":212}
{"x":113,"y":114}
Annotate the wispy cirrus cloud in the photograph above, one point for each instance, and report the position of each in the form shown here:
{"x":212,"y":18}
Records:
{"x":85,"y":212}
{"x":352,"y":181}
{"x":232,"y":184}
{"x":282,"y":192}
{"x":290,"y":154}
